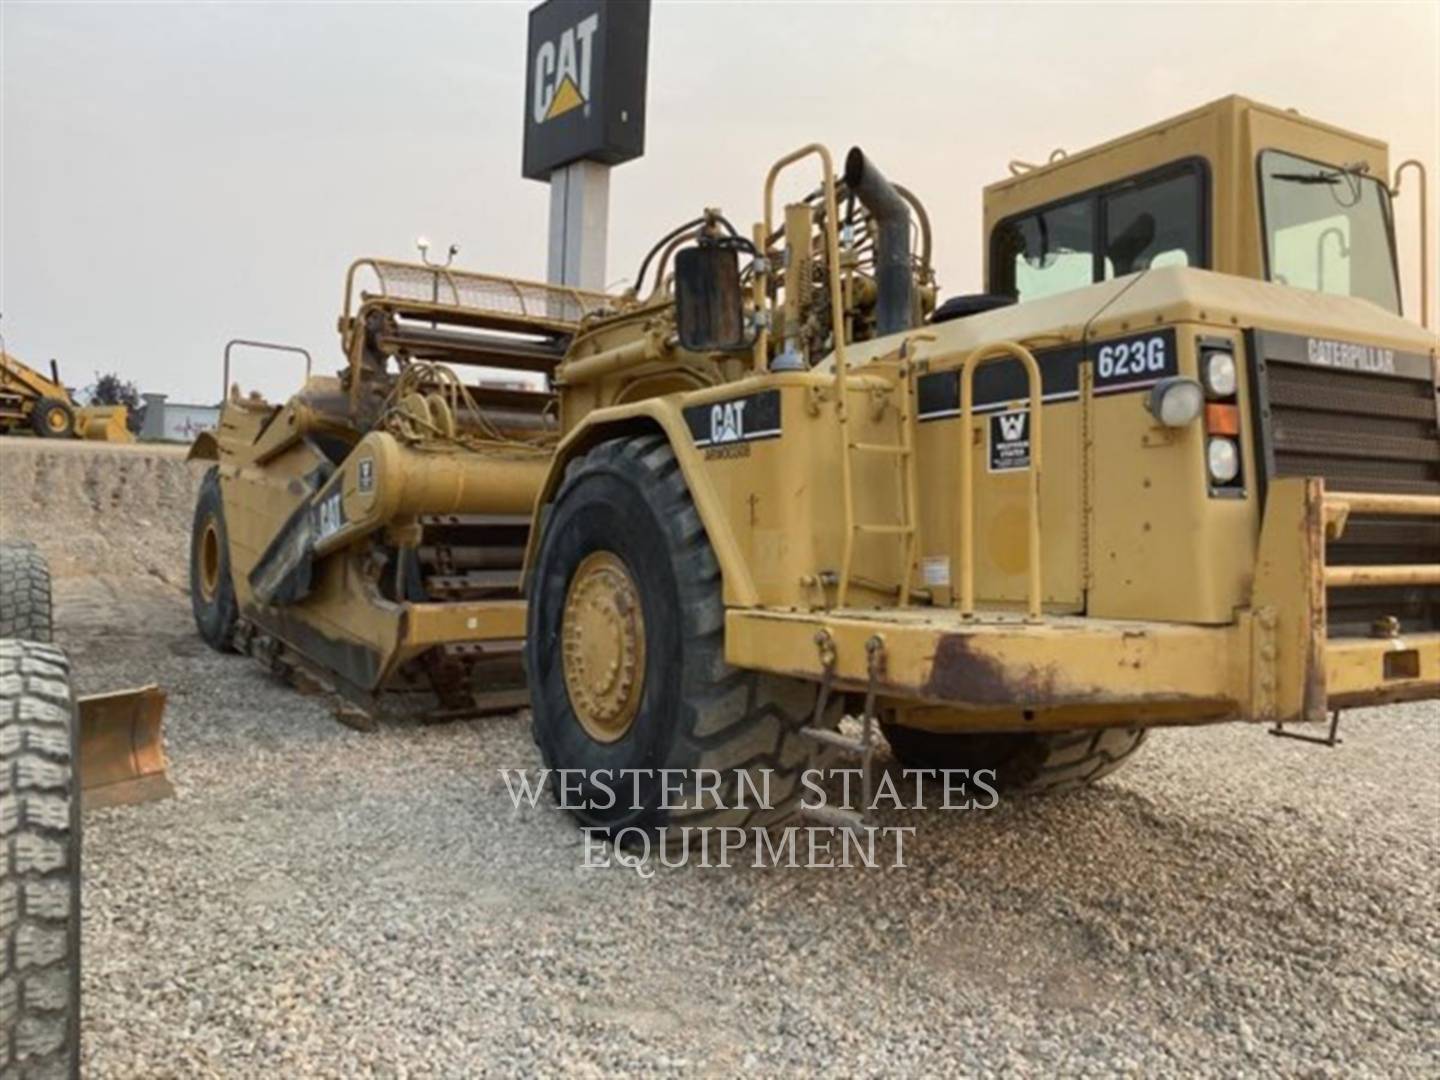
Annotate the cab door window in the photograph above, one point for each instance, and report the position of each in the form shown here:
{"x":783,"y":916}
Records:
{"x":1153,"y":224}
{"x":1155,"y":219}
{"x":1049,"y":252}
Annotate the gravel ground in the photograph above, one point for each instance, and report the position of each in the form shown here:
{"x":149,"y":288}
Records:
{"x":317,"y":901}
{"x":321,"y":901}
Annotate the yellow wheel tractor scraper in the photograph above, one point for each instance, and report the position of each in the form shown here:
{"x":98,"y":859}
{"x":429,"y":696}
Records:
{"x":1178,"y":465}
{"x":30,"y":401}
{"x":121,"y":746}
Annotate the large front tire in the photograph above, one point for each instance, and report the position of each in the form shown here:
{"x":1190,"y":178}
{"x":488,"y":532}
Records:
{"x":624,"y":648}
{"x":1023,"y":762}
{"x":40,"y":871}
{"x":212,"y":591}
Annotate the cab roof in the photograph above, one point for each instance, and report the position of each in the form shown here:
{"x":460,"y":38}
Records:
{"x":1232,"y":105}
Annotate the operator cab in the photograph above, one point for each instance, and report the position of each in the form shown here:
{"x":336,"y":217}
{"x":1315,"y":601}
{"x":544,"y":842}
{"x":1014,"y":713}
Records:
{"x":1234,"y":186}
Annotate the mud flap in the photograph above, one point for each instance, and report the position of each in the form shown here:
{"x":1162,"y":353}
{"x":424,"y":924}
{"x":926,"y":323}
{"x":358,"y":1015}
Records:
{"x":122,"y":750}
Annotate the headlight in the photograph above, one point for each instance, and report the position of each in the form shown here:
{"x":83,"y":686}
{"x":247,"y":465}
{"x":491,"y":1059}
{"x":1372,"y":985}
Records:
{"x":1218,"y":371}
{"x":1175,"y":402}
{"x":1223,"y":458}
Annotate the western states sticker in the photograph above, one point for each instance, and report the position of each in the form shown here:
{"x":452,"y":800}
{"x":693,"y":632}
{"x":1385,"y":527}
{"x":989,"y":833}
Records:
{"x":1010,"y":441}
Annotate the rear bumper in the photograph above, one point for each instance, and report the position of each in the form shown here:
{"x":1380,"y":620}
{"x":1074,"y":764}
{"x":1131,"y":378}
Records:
{"x":1070,"y":671}
{"x":1274,"y":663}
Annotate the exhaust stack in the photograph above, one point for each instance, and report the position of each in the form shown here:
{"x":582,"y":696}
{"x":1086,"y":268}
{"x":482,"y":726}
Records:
{"x":895,"y":301}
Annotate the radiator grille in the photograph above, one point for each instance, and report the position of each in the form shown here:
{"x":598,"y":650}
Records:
{"x":1361,"y":430}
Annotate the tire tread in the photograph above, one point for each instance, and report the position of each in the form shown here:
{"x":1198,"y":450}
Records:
{"x":26,"y":610}
{"x":40,"y":846}
{"x":729,"y":719}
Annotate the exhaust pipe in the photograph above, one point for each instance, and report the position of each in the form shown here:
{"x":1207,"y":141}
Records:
{"x":895,"y":286}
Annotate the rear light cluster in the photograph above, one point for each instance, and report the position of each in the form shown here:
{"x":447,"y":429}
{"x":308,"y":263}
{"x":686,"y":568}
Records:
{"x":1220,"y":377}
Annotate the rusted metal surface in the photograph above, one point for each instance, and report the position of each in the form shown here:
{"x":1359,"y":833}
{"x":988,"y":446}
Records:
{"x":1312,"y":555}
{"x":963,"y":674}
{"x":1005,"y":664}
{"x":122,"y":750}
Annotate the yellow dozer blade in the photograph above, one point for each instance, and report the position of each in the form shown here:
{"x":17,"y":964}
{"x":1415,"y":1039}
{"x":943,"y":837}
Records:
{"x":122,"y":753}
{"x":104,"y":423}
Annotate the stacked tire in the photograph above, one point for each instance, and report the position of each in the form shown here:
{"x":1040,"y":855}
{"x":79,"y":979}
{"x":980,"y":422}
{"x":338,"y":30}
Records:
{"x":39,"y":831}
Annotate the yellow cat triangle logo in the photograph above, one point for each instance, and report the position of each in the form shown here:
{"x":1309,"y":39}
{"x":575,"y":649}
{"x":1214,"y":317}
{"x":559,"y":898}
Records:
{"x":566,"y":98}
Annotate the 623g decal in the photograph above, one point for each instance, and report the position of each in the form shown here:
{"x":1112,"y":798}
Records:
{"x":1132,"y":363}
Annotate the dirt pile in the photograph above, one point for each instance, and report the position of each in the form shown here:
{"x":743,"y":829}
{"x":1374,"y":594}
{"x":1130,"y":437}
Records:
{"x":117,"y":511}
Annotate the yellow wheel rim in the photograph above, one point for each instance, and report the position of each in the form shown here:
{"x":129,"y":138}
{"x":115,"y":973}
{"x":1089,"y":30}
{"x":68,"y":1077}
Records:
{"x":602,"y":646}
{"x":55,"y":420}
{"x":210,"y":560}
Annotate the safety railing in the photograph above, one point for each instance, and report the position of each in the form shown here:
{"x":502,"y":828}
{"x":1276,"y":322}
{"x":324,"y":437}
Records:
{"x":270,"y":345}
{"x":1423,"y":184}
{"x":969,"y":364}
{"x":837,"y":327}
{"x":441,"y":288}
{"x":1339,"y":505}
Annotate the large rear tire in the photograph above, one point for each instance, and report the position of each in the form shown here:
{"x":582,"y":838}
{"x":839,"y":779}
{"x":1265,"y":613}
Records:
{"x":1023,"y":762}
{"x":40,"y":883}
{"x":212,"y":591}
{"x":624,"y":648}
{"x":25,"y":606}
{"x":53,"y":419}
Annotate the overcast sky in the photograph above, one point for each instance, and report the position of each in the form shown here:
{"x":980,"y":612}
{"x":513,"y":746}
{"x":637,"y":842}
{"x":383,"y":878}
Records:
{"x":175,"y":175}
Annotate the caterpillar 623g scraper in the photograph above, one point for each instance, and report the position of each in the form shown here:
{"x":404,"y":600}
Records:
{"x":1178,"y":465}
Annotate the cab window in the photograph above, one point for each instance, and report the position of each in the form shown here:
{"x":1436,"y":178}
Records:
{"x":1154,"y":224}
{"x":1052,"y":251}
{"x":1329,"y":229}
{"x":1155,"y":219}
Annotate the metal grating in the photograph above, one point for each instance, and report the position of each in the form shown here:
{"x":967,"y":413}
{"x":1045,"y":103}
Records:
{"x":1361,"y":431}
{"x":486,"y":293}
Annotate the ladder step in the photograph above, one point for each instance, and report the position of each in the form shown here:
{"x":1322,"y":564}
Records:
{"x":830,"y":737}
{"x":888,"y":530}
{"x":476,"y":581}
{"x":835,"y":816}
{"x":881,"y":448}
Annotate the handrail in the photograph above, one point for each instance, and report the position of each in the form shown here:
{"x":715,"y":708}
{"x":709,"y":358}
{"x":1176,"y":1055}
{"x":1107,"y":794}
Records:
{"x":1366,"y":502}
{"x":832,"y":244}
{"x":261,"y":345}
{"x":985,"y":354}
{"x":837,"y":322}
{"x":1424,"y":234}
{"x":1355,"y":577}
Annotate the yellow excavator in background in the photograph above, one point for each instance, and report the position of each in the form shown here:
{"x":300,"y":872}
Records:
{"x":29,"y":399}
